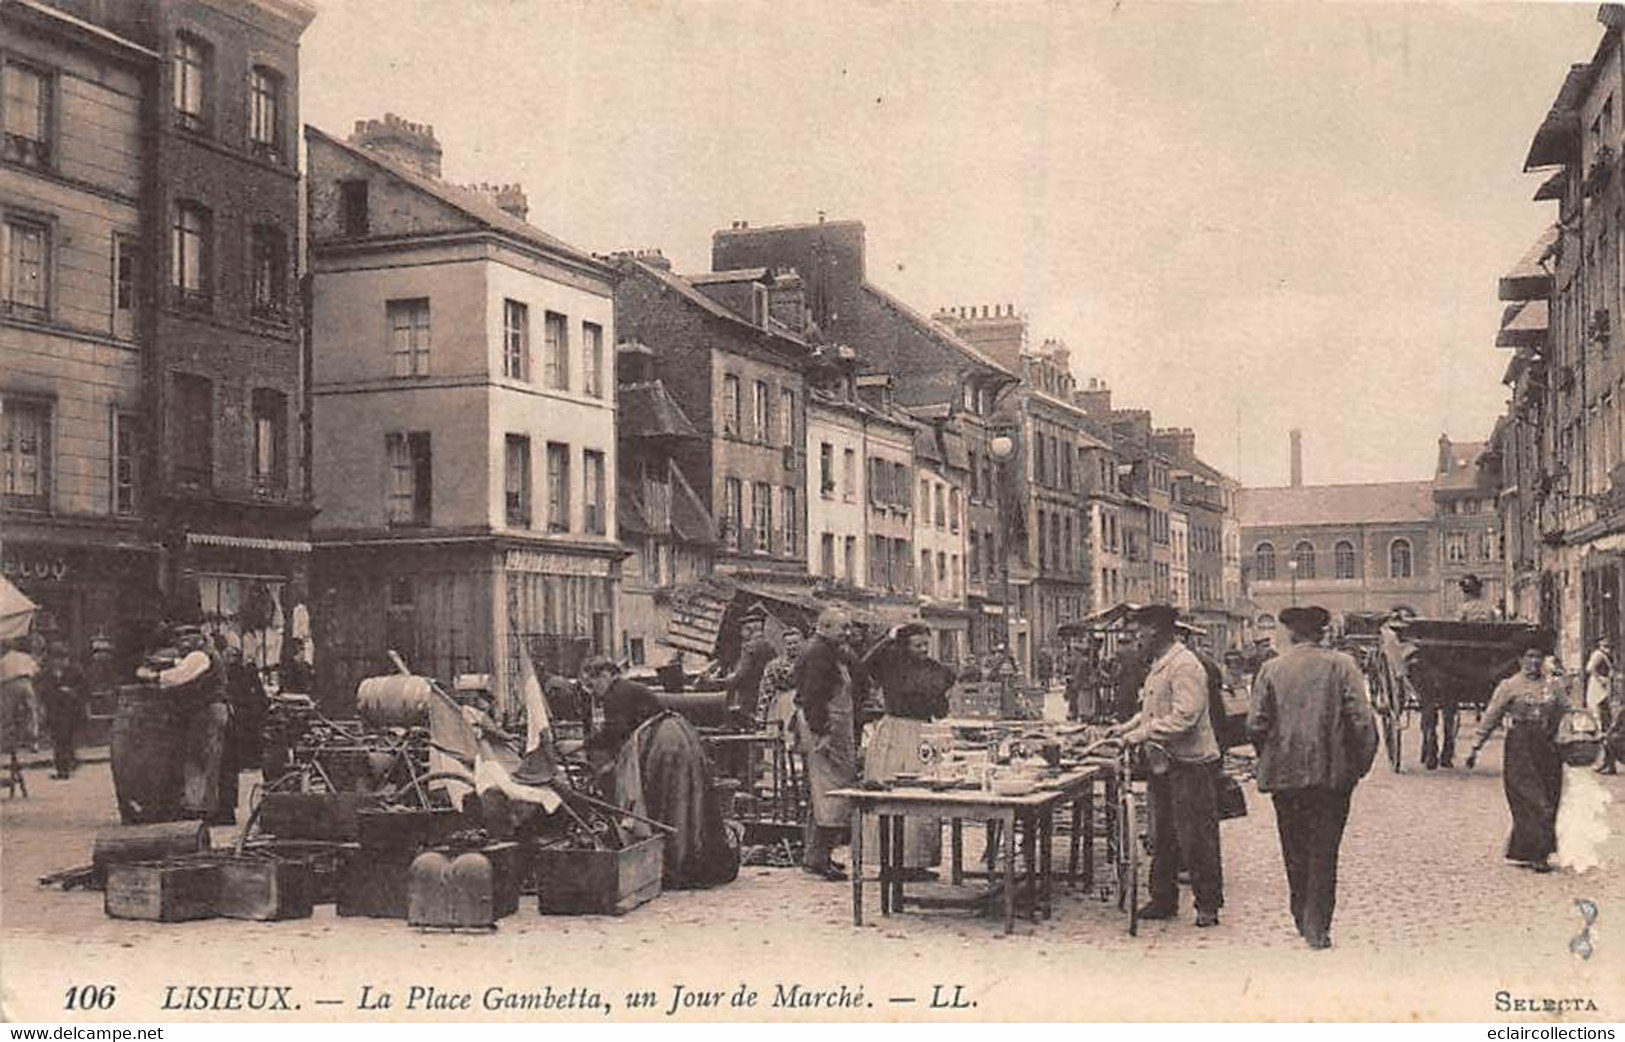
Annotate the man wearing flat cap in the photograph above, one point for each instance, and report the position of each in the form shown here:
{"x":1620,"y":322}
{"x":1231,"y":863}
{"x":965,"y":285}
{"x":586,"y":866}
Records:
{"x":1184,"y":772}
{"x":197,"y":683}
{"x":1312,"y":724}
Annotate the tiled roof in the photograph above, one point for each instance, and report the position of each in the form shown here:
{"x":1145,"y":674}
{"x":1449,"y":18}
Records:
{"x":932,"y":329}
{"x":647,"y":410}
{"x":685,"y":289}
{"x":471,"y":204}
{"x":1463,"y":467}
{"x":1390,"y":501}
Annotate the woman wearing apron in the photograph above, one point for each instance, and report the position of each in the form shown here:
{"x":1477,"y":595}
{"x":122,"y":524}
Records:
{"x":916,"y":692}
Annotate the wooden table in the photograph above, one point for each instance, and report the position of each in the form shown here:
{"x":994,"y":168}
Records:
{"x":1035,"y":811}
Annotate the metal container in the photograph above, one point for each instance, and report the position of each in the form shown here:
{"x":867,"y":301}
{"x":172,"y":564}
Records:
{"x":394,"y":701}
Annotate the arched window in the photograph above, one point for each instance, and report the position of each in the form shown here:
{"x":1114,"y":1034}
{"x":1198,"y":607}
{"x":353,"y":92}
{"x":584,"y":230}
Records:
{"x":1266,"y":621}
{"x":1304,"y":556}
{"x":1343,"y":554}
{"x":1264,"y":562}
{"x":1399,"y":559}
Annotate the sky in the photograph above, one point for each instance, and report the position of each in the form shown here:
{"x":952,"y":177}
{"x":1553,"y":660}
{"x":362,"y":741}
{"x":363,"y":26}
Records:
{"x":1245,"y":218}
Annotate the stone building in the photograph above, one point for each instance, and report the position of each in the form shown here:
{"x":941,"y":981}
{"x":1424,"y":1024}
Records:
{"x":668,"y":528}
{"x":152,"y":369}
{"x":727,"y":347}
{"x":1359,"y":547}
{"x":936,"y":376}
{"x":1470,"y":532}
{"x":1562,"y":495}
{"x":464,"y":421}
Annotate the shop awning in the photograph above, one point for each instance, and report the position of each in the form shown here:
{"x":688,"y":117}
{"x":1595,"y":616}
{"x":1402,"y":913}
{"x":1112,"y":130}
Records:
{"x":1530,"y":279}
{"x":244,"y":542}
{"x":16,"y":611}
{"x":1523,"y":325}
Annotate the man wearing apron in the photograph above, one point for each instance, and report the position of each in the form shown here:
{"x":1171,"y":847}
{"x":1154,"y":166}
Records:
{"x":823,"y":679}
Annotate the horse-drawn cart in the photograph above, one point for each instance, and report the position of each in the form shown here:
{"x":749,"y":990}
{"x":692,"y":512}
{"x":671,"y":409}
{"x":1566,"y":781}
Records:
{"x":1435,"y":668}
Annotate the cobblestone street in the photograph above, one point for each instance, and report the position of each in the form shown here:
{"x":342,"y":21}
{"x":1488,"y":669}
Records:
{"x":1430,"y":923}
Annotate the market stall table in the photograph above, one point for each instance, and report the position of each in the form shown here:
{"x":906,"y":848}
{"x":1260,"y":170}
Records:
{"x":1034,"y":811}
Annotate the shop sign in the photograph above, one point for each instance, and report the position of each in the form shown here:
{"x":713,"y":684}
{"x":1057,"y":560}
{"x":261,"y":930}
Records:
{"x":544,"y":563}
{"x":43,"y":567}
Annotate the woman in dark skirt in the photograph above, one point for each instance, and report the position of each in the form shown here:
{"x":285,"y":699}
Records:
{"x":1531,"y":703}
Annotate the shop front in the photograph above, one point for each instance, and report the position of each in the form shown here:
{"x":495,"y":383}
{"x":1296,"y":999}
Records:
{"x":98,"y":587}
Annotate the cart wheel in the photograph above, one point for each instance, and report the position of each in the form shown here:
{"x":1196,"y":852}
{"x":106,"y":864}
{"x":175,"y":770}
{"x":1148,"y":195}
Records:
{"x":1392,"y":730}
{"x":1129,"y":846}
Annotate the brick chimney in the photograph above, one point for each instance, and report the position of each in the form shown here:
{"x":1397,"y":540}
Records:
{"x":1178,"y":443}
{"x":1095,"y":400}
{"x":412,"y":144}
{"x":1297,"y":458}
{"x":995,"y":330}
{"x":510,"y":199}
{"x":654,"y":258}
{"x":1447,"y":455}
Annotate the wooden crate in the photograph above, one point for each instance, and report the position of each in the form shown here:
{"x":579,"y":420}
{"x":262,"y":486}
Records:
{"x":407,"y":828}
{"x":314,"y":815}
{"x":265,"y":888}
{"x":162,"y":891}
{"x":599,"y":882}
{"x":373,"y":883}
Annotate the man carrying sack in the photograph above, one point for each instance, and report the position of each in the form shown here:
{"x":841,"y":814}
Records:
{"x":1312,"y":724}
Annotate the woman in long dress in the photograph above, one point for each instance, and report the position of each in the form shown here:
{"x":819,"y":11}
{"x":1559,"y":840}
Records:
{"x":1531,"y":704}
{"x":916,"y":692}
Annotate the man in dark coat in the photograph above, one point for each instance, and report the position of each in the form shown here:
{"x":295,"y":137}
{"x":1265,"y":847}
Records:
{"x":245,"y":731}
{"x":654,"y":762}
{"x":1312,"y":724}
{"x":744,"y":684}
{"x":61,"y":688}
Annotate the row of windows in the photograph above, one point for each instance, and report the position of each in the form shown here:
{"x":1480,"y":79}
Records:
{"x":411,"y":339}
{"x":761,"y":427}
{"x":26,"y":445}
{"x":1056,"y":552}
{"x":195,"y":105}
{"x":404,"y":494}
{"x":26,"y":457}
{"x":1462,"y":547}
{"x":27,"y":266}
{"x":755,"y":532}
{"x":28,"y":124}
{"x":1303,"y":563}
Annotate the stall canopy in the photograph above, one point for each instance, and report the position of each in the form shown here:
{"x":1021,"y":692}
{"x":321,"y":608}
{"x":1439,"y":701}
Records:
{"x":16,"y":611}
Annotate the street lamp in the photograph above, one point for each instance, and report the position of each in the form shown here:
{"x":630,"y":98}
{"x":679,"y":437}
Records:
{"x":1292,"y":570}
{"x":1002,"y":448}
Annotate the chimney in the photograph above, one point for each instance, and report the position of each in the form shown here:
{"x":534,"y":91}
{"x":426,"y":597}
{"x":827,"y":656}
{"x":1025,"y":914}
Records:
{"x":654,"y":258}
{"x":1096,"y":402}
{"x":408,"y":143}
{"x":510,"y":199}
{"x":1446,"y":455}
{"x":1297,"y":458}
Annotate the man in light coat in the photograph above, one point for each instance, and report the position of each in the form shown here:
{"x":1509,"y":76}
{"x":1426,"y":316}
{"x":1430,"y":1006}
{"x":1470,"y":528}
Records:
{"x":1185,"y":767}
{"x":1312,"y":724}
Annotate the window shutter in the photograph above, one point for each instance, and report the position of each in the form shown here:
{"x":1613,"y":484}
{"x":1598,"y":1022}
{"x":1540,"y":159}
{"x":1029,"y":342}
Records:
{"x":422,"y":475}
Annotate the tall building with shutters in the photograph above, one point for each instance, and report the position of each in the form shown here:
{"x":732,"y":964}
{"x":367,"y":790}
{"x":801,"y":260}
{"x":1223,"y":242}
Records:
{"x":152,"y":365}
{"x":464,"y":421}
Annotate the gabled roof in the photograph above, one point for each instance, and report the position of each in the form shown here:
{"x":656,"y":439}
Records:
{"x":1383,"y":502}
{"x":647,"y":410}
{"x":935,"y":331}
{"x":471,"y":204}
{"x":685,"y":289}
